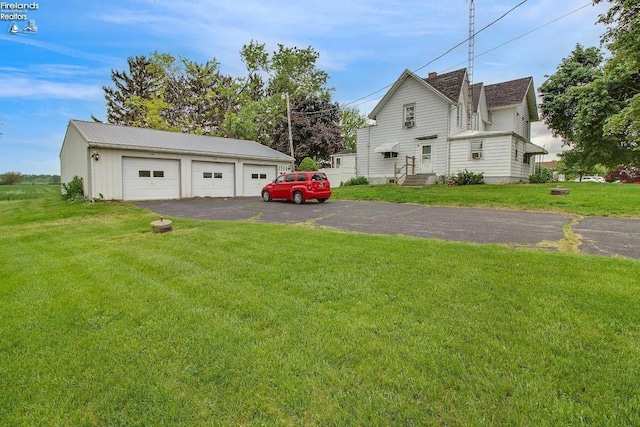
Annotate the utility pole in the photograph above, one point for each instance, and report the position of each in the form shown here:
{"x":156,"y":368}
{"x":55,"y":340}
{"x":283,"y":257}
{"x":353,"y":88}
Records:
{"x":293,"y":163}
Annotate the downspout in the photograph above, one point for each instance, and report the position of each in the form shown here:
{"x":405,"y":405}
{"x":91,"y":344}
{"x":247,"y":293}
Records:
{"x":91,"y":174}
{"x":368,"y":150}
{"x":449,"y":142}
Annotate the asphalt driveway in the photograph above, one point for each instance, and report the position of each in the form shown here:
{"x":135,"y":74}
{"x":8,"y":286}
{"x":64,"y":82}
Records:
{"x":601,"y":236}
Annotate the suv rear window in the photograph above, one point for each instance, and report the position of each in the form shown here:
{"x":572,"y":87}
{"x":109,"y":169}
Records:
{"x":319,"y":177}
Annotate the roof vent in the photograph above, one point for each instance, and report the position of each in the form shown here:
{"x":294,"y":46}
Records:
{"x":433,"y":75}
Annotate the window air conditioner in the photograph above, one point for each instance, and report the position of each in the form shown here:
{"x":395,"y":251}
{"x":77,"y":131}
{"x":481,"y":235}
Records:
{"x":409,"y":124}
{"x":476,"y":155}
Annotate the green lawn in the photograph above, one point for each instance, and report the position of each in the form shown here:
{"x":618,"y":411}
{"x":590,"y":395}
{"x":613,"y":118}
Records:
{"x":585,"y":198}
{"x":27,"y":191}
{"x":236,"y":323}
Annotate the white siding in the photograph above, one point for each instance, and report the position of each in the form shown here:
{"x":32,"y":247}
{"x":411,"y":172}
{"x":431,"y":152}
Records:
{"x":502,"y":119}
{"x":74,"y":159}
{"x":495,"y":162}
{"x":431,"y":118}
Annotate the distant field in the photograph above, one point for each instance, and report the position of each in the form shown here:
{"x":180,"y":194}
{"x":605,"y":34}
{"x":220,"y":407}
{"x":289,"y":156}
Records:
{"x":585,"y":198}
{"x":27,"y":191}
{"x":235,"y":323}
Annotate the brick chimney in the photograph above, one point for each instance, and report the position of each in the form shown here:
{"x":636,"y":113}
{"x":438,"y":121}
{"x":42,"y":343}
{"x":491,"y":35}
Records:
{"x":433,"y":75}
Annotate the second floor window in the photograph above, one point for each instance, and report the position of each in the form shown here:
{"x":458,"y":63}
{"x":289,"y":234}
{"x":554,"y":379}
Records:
{"x":409,"y":115}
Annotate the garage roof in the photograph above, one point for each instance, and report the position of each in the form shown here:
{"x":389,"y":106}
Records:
{"x":132,"y":138}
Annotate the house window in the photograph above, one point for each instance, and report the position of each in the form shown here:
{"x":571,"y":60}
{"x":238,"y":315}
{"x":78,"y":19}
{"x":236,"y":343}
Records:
{"x":409,"y":115}
{"x":144,"y":174}
{"x":263,"y":176}
{"x":158,"y":174}
{"x":389,"y":154}
{"x":459,"y":115}
{"x":337,"y":162}
{"x":426,"y":152}
{"x":254,"y":176}
{"x":217,"y":175}
{"x":517,"y":154}
{"x":476,"y":150}
{"x":207,"y":175}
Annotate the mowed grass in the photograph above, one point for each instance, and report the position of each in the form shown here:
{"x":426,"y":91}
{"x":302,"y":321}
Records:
{"x":27,"y":191}
{"x":585,"y":198}
{"x":235,"y":323}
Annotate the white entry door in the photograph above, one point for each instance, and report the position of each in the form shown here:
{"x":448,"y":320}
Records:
{"x":426,"y":165}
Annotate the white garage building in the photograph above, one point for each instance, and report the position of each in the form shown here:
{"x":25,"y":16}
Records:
{"x":128,"y":163}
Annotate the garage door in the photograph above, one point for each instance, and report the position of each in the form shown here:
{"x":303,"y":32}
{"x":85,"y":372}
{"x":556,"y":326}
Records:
{"x":150,"y":179}
{"x":211,"y":179}
{"x":256,"y":177}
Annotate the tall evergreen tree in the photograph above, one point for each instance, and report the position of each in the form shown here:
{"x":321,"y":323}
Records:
{"x":126,"y":102}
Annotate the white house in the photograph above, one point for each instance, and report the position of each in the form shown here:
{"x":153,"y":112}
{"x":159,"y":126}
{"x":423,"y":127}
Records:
{"x":128,"y":163}
{"x":422,"y":129}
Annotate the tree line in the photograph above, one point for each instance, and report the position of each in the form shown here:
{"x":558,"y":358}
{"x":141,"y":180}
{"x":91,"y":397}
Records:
{"x":593,"y":103}
{"x":160,"y":91}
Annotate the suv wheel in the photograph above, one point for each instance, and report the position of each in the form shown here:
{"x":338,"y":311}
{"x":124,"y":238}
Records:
{"x":266,"y":196}
{"x":298,"y":198}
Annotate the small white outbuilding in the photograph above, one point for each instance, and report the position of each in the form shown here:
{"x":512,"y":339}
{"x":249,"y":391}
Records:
{"x":128,"y":163}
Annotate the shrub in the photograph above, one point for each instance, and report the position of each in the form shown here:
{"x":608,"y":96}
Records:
{"x":623,"y":173}
{"x":361,"y":180}
{"x":74,"y":190}
{"x":541,"y":176}
{"x":308,"y":164}
{"x":468,"y":178}
{"x":10,"y":178}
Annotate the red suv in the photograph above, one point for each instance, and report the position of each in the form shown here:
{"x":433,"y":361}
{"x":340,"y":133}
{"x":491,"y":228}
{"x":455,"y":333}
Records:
{"x":298,"y":186}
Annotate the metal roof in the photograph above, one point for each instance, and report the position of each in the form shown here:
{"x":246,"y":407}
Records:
{"x":133,"y":138}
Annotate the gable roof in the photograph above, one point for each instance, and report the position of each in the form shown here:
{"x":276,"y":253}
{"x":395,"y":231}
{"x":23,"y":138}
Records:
{"x":396,"y":85}
{"x":133,"y":138}
{"x":477,"y":90}
{"x":511,"y":93}
{"x":449,"y":84}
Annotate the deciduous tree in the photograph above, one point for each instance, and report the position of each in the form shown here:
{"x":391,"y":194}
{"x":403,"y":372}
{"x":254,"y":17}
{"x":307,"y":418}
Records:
{"x":11,"y":178}
{"x":622,"y":71}
{"x":351,"y":119}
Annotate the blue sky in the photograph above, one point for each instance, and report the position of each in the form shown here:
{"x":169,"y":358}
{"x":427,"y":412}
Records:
{"x":57,"y":73}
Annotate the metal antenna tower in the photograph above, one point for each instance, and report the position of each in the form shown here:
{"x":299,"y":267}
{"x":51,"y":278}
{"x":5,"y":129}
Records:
{"x":472,"y":19}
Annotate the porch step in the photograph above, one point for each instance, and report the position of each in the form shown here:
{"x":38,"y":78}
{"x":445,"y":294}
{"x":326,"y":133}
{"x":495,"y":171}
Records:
{"x":419,"y":180}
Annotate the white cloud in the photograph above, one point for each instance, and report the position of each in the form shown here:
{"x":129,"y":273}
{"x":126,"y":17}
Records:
{"x":22,"y":87}
{"x":64,"y":50}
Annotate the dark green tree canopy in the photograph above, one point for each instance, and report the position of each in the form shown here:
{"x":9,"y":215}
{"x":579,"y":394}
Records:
{"x":163,"y":92}
{"x":315,"y":129}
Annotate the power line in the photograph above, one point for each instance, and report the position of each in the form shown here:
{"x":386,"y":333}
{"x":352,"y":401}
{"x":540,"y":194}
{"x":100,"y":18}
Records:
{"x":447,"y":52}
{"x":525,"y":34}
{"x":458,"y":45}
